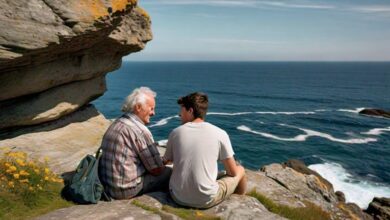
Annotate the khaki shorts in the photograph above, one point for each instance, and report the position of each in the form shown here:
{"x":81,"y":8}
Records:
{"x":227,"y":186}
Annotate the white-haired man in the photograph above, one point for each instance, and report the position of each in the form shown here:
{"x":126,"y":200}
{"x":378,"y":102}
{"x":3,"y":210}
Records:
{"x":131,"y":164}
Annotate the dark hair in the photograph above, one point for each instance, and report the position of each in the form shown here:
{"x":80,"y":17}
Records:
{"x":197,"y":101}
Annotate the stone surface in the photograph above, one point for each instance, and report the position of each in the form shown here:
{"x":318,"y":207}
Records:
{"x":242,"y":207}
{"x":307,"y":187}
{"x":103,"y":210}
{"x":51,"y":104}
{"x":64,"y":141}
{"x":375,"y":112}
{"x":379,"y":208}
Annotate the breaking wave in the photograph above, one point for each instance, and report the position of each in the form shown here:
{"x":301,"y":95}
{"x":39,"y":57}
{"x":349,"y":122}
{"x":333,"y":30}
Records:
{"x":308,"y":133}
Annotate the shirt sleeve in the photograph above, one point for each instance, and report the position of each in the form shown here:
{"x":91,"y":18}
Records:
{"x":148,"y":153}
{"x":226,"y":149}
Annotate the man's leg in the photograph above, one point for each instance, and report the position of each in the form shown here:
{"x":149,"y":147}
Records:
{"x":241,"y":187}
{"x":155,"y":183}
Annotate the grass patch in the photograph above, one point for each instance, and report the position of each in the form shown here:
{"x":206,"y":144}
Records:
{"x":14,"y":206}
{"x":188,"y":214}
{"x":310,"y":212}
{"x":28,"y":188}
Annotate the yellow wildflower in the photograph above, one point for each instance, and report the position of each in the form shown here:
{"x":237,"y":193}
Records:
{"x":24,"y":173}
{"x":24,"y":181}
{"x":20,"y":162}
{"x":47,"y":171}
{"x":46,"y":159}
{"x":12,"y":168}
{"x":17,"y":154}
{"x":11,"y":184}
{"x":37,"y":171}
{"x":7,"y":164}
{"x":8,"y":171}
{"x":31,"y":188}
{"x":46,"y":178}
{"x":31,"y":164}
{"x":16,"y":176}
{"x":199,"y":213}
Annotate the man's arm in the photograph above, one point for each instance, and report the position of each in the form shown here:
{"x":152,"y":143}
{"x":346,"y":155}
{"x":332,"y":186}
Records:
{"x":231,"y":167}
{"x":150,"y":158}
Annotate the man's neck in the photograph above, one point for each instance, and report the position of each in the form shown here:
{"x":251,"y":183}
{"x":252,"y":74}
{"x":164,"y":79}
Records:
{"x":197,"y":120}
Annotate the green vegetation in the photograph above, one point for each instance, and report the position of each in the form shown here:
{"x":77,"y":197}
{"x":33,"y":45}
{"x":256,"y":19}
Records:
{"x":189,"y":214}
{"x":28,"y":188}
{"x":310,"y":212}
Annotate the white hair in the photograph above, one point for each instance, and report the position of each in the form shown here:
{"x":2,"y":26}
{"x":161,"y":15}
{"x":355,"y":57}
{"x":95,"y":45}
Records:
{"x":138,"y":96}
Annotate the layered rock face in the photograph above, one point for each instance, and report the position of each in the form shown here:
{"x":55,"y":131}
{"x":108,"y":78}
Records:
{"x":54,"y":54}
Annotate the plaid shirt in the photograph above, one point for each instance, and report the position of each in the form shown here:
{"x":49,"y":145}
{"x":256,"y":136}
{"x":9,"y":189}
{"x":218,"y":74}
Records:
{"x":128,"y":153}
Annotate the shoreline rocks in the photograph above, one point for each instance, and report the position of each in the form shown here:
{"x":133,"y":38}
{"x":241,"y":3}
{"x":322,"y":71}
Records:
{"x":375,"y":112}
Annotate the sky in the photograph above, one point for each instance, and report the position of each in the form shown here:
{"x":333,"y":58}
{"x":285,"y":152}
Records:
{"x":280,"y":30}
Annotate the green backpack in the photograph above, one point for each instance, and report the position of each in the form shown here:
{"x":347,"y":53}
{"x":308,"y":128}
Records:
{"x":84,"y":186}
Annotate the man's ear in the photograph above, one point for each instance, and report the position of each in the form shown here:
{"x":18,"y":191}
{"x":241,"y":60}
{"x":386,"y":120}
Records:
{"x":137,"y":108}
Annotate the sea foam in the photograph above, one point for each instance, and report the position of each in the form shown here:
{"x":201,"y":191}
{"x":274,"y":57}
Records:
{"x":163,"y":121}
{"x":308,"y":133}
{"x":357,"y":110}
{"x":360,"y":192}
{"x":376,"y":131}
{"x":262,"y":113}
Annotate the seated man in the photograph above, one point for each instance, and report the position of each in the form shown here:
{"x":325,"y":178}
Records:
{"x":131,"y":164}
{"x":195,"y":147}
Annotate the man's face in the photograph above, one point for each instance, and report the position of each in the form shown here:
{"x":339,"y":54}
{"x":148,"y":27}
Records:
{"x":186,"y":115}
{"x":147,"y":110}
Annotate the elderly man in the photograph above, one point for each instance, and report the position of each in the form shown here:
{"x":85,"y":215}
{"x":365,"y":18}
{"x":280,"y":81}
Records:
{"x":195,"y":148}
{"x":131,"y":164}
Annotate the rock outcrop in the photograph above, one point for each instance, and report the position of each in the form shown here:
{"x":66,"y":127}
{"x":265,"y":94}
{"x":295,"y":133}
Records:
{"x":64,"y":142}
{"x":375,"y":112}
{"x":54,"y":54}
{"x":379,"y":208}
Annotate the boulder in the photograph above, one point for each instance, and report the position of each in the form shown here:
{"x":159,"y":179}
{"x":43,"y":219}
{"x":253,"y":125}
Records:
{"x":379,"y":208}
{"x":375,"y":112}
{"x":50,"y":104}
{"x":307,"y":187}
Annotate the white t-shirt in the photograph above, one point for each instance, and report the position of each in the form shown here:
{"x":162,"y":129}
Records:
{"x":194,"y":149}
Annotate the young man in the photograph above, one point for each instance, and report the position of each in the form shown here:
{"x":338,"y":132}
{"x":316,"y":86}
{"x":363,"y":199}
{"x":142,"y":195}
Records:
{"x":195,"y":147}
{"x":131,"y":164}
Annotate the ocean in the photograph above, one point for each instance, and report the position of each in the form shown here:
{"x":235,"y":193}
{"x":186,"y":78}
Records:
{"x":275,"y":111}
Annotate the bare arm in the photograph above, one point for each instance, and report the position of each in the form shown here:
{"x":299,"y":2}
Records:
{"x":232,"y":169}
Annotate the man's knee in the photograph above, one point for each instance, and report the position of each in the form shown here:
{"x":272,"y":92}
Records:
{"x":241,"y":171}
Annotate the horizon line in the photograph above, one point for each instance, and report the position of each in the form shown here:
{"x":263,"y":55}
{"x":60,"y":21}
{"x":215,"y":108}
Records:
{"x":307,"y":61}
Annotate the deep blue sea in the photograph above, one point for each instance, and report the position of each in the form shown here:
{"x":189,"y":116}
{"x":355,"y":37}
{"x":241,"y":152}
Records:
{"x":275,"y":111}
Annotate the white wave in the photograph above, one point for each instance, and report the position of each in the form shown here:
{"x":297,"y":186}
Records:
{"x":376,"y":131}
{"x":163,"y":121}
{"x":357,"y":191}
{"x":322,"y":110}
{"x":357,"y":110}
{"x":263,"y":113}
{"x":230,"y":114}
{"x":308,"y":133}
